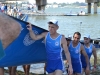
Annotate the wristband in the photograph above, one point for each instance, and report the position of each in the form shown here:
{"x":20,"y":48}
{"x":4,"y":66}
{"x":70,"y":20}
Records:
{"x":94,"y":66}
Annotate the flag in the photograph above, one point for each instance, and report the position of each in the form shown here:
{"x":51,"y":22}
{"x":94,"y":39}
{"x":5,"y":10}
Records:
{"x":2,"y":53}
{"x":23,"y":50}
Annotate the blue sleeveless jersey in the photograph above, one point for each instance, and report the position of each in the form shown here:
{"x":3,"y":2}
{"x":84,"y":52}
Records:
{"x":75,"y":52}
{"x":89,"y":53}
{"x":53,"y":47}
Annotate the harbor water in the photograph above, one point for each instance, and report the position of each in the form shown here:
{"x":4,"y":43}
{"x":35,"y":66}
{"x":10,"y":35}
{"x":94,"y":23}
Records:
{"x":70,"y":24}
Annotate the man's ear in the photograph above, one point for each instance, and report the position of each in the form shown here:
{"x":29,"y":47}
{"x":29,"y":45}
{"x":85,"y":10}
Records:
{"x":57,"y":27}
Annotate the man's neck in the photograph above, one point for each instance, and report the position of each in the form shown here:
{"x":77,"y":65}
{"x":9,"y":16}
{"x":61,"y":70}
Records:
{"x":54,"y":35}
{"x":87,"y":44}
{"x":75,"y":44}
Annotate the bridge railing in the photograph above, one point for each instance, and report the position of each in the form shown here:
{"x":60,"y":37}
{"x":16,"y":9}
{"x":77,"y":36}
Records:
{"x":92,"y":1}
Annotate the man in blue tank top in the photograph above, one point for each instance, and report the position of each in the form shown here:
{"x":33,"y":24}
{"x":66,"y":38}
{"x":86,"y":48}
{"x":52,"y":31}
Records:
{"x":90,"y":49}
{"x":54,"y":42}
{"x":76,"y":49}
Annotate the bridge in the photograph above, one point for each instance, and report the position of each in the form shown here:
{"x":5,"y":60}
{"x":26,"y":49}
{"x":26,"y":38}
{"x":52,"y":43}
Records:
{"x":42,"y":3}
{"x":89,"y":5}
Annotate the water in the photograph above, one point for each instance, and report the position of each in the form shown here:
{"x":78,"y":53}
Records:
{"x":70,"y":24}
{"x":67,"y":26}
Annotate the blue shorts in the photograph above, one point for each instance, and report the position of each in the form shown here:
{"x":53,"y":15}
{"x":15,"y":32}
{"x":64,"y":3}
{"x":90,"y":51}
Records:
{"x":53,"y":65}
{"x":77,"y":67}
{"x":84,"y":66}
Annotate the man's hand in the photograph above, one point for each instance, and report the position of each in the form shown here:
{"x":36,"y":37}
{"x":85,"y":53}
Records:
{"x":94,"y":69}
{"x":29,"y":27}
{"x":70,"y":71}
{"x":87,"y":70}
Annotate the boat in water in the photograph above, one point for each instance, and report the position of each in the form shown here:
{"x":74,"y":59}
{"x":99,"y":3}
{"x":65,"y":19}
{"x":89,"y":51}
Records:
{"x":75,"y":15}
{"x":81,"y":13}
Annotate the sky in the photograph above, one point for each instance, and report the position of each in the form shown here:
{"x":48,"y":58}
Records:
{"x":59,"y":1}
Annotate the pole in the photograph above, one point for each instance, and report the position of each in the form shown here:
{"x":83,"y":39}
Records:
{"x":80,"y":26}
{"x":16,"y":4}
